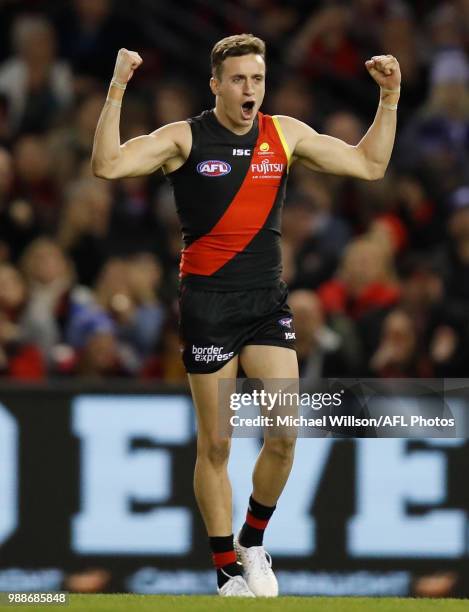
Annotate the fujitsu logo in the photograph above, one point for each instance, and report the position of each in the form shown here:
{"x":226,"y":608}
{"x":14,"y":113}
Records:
{"x":266,"y":167}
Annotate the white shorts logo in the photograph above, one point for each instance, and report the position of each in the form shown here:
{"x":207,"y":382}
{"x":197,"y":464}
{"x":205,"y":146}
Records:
{"x":209,"y":354}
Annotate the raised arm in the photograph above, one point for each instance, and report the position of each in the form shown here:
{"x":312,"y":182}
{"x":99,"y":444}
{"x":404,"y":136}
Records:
{"x":370,"y":157}
{"x":142,"y":155}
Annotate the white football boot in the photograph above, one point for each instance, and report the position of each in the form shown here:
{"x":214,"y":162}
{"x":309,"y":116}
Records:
{"x":257,"y":569}
{"x":236,"y":586}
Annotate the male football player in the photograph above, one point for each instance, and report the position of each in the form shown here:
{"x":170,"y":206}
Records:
{"x":228,"y":167}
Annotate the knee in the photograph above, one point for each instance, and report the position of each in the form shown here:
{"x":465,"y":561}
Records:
{"x":283,"y":449}
{"x":214,"y":450}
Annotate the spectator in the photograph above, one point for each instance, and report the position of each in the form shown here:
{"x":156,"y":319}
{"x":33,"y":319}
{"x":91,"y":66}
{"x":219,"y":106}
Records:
{"x":127,"y":292}
{"x":20,"y":359}
{"x":166,"y":363}
{"x":440,"y":321}
{"x":133,"y":224}
{"x":293,"y":97}
{"x":324,"y":44}
{"x":454,"y":255}
{"x":344,"y":125}
{"x":34,"y":182}
{"x":422,"y":214}
{"x":399,"y":352}
{"x":400,"y":38}
{"x":38,"y":86}
{"x":172,"y":101}
{"x":99,"y":356}
{"x":315,"y":234}
{"x":91,"y":33}
{"x":358,"y":298}
{"x":439,"y":137}
{"x":84,"y":227}
{"x":145,"y":277}
{"x":70,"y":144}
{"x":53,"y":298}
{"x":319,"y":348}
{"x":366,"y":281}
{"x":389,"y":231}
{"x":5,"y":127}
{"x":18,"y":223}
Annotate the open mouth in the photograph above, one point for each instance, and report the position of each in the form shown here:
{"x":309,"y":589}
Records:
{"x":247,"y":109}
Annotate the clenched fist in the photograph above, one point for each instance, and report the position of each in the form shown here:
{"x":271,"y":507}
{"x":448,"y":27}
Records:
{"x":127,"y":62}
{"x":385,"y":70}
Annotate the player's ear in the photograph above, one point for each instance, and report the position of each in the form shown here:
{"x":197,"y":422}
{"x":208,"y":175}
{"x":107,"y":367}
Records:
{"x":214,"y":85}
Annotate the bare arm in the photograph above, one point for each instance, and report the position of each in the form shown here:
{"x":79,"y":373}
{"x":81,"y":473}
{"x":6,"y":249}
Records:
{"x":370,"y":157}
{"x":139,"y":156}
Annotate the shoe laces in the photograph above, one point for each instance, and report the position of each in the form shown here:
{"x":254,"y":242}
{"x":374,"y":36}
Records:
{"x":265,"y":560}
{"x":234,"y":583}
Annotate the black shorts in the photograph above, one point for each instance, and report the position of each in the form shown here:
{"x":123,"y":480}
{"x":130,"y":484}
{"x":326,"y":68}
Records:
{"x":215,"y":325}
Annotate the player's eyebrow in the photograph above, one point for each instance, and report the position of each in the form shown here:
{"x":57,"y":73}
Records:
{"x":244,"y":76}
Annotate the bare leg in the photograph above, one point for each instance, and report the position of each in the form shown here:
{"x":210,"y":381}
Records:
{"x":211,"y":484}
{"x":275,"y":460}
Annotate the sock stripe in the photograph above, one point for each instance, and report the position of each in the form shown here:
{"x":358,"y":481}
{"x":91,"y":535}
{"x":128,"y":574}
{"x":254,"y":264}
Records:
{"x":257,"y":523}
{"x":223,"y":558}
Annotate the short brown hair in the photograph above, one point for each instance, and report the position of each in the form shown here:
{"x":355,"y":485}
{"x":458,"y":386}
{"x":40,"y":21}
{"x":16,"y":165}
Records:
{"x":235,"y":46}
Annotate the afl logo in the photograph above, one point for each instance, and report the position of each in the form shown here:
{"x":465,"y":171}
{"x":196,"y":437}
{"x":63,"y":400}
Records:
{"x":213,"y":167}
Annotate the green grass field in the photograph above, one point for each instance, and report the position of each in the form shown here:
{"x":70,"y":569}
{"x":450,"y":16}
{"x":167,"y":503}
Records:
{"x":166,"y":603}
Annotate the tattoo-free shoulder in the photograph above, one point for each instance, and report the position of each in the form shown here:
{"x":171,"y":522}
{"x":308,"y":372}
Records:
{"x":293,"y":130}
{"x":179,"y":132}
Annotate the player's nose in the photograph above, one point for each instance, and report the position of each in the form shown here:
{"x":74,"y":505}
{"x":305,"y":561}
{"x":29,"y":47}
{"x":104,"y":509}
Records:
{"x":248,"y":89}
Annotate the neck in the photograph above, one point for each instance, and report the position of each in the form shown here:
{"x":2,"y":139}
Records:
{"x":226,"y":122}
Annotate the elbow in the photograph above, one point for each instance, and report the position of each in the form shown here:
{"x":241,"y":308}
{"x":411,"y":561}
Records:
{"x":98,"y":168}
{"x":98,"y":172}
{"x":375,"y":172}
{"x":102,"y":170}
{"x":370,"y":169}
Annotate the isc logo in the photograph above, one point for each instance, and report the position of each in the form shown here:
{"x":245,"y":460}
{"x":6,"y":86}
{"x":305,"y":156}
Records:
{"x":241,"y":152}
{"x":213,"y":167}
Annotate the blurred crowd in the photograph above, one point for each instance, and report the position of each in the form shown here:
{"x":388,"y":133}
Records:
{"x":378,"y":271}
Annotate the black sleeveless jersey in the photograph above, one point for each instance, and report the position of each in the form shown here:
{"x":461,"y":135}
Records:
{"x":229,"y":195}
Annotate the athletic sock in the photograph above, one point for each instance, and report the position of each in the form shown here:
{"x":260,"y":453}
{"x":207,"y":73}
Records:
{"x":224,"y":559}
{"x":257,"y":518}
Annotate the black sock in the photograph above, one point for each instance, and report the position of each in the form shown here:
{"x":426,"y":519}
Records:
{"x":224,"y":558}
{"x":257,"y":518}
